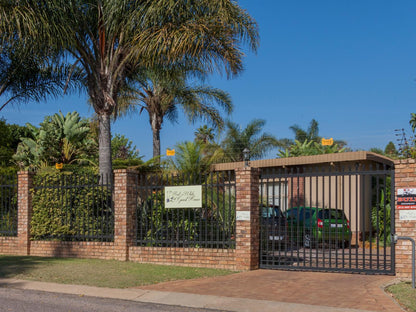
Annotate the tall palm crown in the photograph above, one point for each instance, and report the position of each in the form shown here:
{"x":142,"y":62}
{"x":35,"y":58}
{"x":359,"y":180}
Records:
{"x":160,"y":91}
{"x":109,"y":39}
{"x":310,"y":134}
{"x":250,"y":137}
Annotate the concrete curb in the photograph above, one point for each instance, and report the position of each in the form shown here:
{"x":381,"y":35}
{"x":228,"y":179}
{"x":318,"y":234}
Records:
{"x":172,"y":298}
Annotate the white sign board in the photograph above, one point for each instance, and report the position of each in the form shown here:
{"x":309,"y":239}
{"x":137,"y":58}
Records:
{"x":407,"y":215}
{"x":243,"y":215}
{"x":183,"y":196}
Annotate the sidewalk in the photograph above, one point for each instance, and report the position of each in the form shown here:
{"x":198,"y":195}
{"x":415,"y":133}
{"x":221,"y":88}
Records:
{"x":261,"y":290}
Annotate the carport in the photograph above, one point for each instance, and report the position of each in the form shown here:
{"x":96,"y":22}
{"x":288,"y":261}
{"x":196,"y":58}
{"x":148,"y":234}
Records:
{"x":354,"y":187}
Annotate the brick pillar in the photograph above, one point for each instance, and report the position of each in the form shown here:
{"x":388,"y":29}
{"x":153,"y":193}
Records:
{"x":247,"y":224}
{"x":124,"y":209}
{"x":24,"y":209}
{"x":405,"y":177}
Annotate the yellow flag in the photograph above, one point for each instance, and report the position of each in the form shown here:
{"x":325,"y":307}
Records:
{"x":327,"y":141}
{"x":170,"y":152}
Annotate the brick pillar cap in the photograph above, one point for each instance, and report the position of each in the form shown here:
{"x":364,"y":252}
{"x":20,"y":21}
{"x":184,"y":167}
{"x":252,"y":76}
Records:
{"x":128,"y":170}
{"x":21,"y":172}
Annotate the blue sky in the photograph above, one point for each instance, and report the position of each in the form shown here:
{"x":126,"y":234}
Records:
{"x":351,"y":65}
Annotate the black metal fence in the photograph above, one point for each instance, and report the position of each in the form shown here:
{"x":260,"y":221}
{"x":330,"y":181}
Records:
{"x":328,"y":218}
{"x":71,"y":207}
{"x":212,"y":226}
{"x":8,"y":205}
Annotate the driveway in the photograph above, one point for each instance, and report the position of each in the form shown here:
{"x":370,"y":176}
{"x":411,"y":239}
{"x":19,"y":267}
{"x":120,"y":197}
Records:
{"x":353,"y":291}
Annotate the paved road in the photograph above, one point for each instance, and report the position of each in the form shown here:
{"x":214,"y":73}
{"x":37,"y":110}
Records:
{"x":37,"y":301}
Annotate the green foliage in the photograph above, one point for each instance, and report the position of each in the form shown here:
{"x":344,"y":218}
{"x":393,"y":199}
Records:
{"x":305,"y":135}
{"x":68,"y":206}
{"x":204,"y":134}
{"x":167,"y":224}
{"x":8,"y":202}
{"x":9,"y":139}
{"x":59,"y":139}
{"x":162,"y":90}
{"x":191,"y":160}
{"x":200,"y":227}
{"x":9,"y":171}
{"x":113,"y":40}
{"x":122,"y":148}
{"x":381,"y":212}
{"x":377,"y":150}
{"x":251,"y":137}
{"x":308,"y":148}
{"x":390,"y":150}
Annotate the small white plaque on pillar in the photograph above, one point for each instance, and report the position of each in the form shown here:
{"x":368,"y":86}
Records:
{"x":407,"y":215}
{"x":243,"y":215}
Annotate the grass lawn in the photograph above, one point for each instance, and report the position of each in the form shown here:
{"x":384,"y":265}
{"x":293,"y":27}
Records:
{"x":101,"y":273}
{"x":404,"y":294}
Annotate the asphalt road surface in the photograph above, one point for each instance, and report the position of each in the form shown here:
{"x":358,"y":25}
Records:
{"x":36,"y":301}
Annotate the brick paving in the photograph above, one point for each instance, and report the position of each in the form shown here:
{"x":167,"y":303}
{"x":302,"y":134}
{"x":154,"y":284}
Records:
{"x":354,"y":291}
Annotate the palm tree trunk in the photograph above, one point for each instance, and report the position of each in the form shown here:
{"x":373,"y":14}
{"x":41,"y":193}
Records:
{"x":156,"y":144}
{"x":156,"y":125}
{"x":104,"y":146}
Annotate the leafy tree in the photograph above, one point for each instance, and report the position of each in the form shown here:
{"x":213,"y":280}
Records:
{"x":123,"y":148}
{"x":110,"y":39}
{"x":9,"y":139}
{"x":162,"y":90}
{"x":390,"y":149}
{"x":377,"y":150}
{"x":6,"y":151}
{"x":251,"y":137}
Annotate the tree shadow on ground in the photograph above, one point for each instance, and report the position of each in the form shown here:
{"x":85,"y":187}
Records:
{"x":11,"y":266}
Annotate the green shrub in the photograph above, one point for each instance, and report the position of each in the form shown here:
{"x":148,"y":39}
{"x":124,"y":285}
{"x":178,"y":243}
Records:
{"x":8,"y":201}
{"x":69,"y":206}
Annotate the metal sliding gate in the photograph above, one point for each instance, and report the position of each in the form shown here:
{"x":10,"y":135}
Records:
{"x":327,"y":219}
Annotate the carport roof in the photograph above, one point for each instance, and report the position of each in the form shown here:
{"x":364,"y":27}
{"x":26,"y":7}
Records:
{"x":360,"y":156}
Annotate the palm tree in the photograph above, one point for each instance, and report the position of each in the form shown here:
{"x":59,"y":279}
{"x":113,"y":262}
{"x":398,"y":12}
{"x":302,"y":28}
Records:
{"x":109,"y":39}
{"x":251,"y":137}
{"x":26,"y":76}
{"x":204,"y":134}
{"x":190,"y":160}
{"x":306,"y":135}
{"x":161,"y":91}
{"x":310,"y":134}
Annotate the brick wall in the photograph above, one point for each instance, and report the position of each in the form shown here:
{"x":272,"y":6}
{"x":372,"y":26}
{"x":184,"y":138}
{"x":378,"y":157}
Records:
{"x":405,"y":177}
{"x":191,"y":257}
{"x":244,"y":257}
{"x":9,"y":245}
{"x":91,"y":250}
